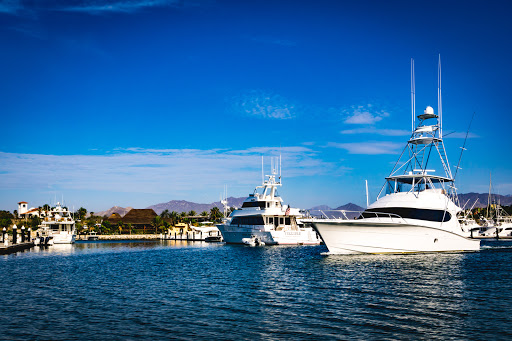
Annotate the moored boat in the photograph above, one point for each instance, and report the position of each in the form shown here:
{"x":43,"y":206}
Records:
{"x":60,"y":225}
{"x":264,"y":217}
{"x":416,"y":210}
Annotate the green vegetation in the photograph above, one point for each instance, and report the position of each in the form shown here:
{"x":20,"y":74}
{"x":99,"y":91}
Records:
{"x":6,"y":218}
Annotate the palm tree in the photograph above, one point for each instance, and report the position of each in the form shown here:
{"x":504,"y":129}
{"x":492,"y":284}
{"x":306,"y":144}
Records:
{"x":192,"y":213}
{"x":215,"y":214}
{"x":174,"y":217}
{"x":204,"y":214}
{"x":165,"y":214}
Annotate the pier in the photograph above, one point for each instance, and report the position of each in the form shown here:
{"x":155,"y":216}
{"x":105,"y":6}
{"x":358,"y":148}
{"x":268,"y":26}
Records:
{"x":12,"y":248}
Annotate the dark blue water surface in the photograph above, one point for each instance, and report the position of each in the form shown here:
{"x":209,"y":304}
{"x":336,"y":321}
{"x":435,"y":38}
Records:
{"x":180,"y":290}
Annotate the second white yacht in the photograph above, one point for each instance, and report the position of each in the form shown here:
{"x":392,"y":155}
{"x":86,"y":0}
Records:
{"x":264,"y":218}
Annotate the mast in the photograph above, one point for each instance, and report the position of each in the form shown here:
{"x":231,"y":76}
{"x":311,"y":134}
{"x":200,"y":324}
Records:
{"x":439,"y":100}
{"x":413,"y":94}
{"x":489,"y":197}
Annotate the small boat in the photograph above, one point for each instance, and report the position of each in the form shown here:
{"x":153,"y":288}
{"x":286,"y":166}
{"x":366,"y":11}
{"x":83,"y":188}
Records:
{"x":253,"y":241}
{"x":43,"y":237}
{"x":213,"y":239}
{"x":93,"y":236}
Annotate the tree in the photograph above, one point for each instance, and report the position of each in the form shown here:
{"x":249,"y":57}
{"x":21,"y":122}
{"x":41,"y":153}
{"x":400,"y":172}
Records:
{"x":192,"y":213}
{"x":204,"y":214}
{"x":15,"y":212}
{"x":105,"y":226}
{"x":81,"y":213}
{"x":215,"y":214}
{"x":174,"y":217}
{"x":35,"y":221}
{"x":165,"y":214}
{"x":6,"y":218}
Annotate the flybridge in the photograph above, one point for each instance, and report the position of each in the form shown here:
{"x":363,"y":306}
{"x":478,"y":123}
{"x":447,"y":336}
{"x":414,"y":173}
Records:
{"x":410,"y":172}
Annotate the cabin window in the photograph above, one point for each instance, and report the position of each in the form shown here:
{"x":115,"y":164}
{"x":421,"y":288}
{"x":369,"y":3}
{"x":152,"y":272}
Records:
{"x":260,"y":204}
{"x":408,"y":213}
{"x":250,"y":220}
{"x":271,"y":220}
{"x":287,"y":221}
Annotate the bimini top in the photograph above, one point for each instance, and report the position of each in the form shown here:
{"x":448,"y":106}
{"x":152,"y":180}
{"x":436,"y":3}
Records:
{"x":416,"y":178}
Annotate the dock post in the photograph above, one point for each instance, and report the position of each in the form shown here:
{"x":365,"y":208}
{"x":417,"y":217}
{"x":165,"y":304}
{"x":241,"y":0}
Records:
{"x":14,"y":234}
{"x":22,"y":233}
{"x":29,"y":234}
{"x":4,"y":232}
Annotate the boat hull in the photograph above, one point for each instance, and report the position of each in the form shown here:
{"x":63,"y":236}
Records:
{"x":63,"y":238}
{"x":235,"y":236}
{"x":356,"y":237}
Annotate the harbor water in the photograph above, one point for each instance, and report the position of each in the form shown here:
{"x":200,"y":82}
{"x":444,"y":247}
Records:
{"x":195,"y":290}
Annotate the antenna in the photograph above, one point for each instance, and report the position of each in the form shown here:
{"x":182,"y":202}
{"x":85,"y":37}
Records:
{"x":413,"y":94}
{"x":439,"y":100}
{"x":463,"y":146}
{"x":367,"y":203}
{"x":280,"y":168}
{"x":262,"y":176}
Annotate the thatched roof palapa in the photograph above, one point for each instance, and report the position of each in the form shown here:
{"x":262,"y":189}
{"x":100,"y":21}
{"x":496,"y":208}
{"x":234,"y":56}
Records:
{"x":139,"y":216}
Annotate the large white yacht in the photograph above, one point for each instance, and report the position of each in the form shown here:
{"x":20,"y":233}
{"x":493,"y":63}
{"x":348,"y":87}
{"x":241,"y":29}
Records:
{"x":264,"y":220}
{"x":416,"y":210}
{"x":60,"y":225}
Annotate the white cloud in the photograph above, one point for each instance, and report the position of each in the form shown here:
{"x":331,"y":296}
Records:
{"x":375,"y":131}
{"x":137,"y":170}
{"x":369,"y":148}
{"x":364,"y":114}
{"x":263,"y":104}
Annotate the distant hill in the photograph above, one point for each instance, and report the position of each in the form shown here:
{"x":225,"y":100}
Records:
{"x":116,"y":209}
{"x":350,"y":207}
{"x":187,"y":206}
{"x":353,"y":211}
{"x":504,"y":200}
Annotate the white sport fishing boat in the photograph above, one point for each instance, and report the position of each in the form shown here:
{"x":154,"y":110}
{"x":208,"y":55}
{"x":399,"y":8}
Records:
{"x":59,"y":224}
{"x":264,"y":220}
{"x":418,"y":211}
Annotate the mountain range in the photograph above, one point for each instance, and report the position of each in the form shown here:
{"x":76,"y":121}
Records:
{"x":470,"y":198}
{"x":187,"y":206}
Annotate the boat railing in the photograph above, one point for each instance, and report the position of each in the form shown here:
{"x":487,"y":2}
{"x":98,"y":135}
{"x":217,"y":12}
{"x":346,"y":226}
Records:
{"x":333,"y":214}
{"x":378,"y":215}
{"x":353,"y":215}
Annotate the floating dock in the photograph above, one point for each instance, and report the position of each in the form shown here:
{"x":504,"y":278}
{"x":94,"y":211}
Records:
{"x":12,"y":248}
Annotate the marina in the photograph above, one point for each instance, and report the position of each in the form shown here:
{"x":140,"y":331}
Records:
{"x":182,"y":290}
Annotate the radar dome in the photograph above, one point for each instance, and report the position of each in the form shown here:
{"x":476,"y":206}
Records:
{"x":429,"y":111}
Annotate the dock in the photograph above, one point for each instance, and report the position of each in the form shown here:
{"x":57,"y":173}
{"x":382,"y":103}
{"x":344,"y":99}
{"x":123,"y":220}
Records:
{"x":12,"y":248}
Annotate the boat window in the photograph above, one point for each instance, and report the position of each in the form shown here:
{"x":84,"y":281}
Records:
{"x":408,"y":213}
{"x":271,"y":220}
{"x":281,"y":221}
{"x":250,"y":220}
{"x":287,"y":221}
{"x":260,"y":204}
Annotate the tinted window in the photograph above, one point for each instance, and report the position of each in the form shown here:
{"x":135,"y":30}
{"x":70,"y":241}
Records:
{"x":250,"y":220}
{"x":260,"y":204}
{"x":409,"y":213}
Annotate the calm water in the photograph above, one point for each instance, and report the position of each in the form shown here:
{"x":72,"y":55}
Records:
{"x":169,"y":290}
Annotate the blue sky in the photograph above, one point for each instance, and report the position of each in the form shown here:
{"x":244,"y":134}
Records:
{"x":133,"y":103}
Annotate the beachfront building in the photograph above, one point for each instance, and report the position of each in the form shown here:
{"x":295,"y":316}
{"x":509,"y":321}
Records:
{"x":25,"y":212}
